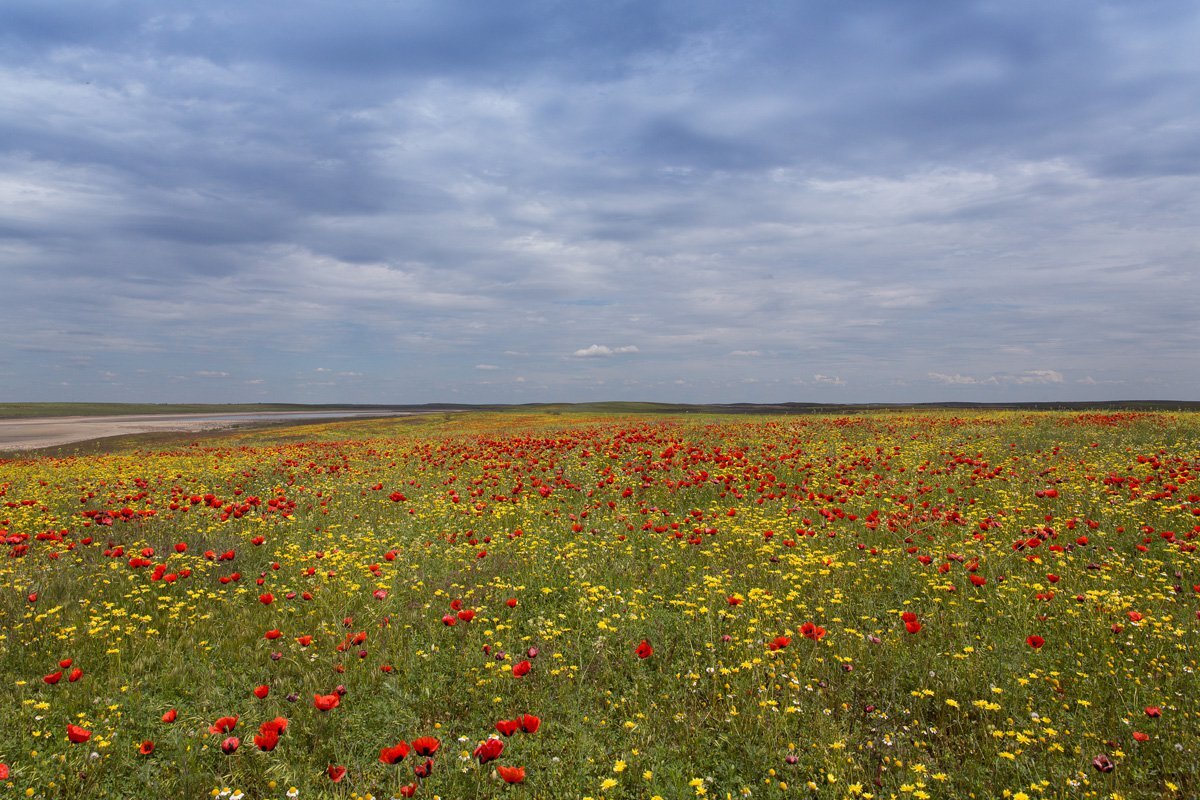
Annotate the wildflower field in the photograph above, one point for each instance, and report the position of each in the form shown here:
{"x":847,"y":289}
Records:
{"x":521,"y":605}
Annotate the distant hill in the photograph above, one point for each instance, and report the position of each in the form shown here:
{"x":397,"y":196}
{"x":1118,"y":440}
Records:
{"x":27,"y":410}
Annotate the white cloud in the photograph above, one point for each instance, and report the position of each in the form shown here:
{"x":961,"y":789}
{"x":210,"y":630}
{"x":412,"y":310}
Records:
{"x":604,"y":351}
{"x":832,"y":380}
{"x":207,"y":373}
{"x":1039,"y":376}
{"x":1026,"y":378}
{"x":958,"y":379}
{"x":745,"y":353}
{"x":486,"y":366}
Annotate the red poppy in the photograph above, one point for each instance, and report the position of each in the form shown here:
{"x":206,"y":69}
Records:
{"x":529,"y":723}
{"x":521,"y":668}
{"x":1153,"y":711}
{"x":511,"y":774}
{"x":1138,"y":736}
{"x":511,"y":602}
{"x":261,"y":692}
{"x":489,"y":750}
{"x":449,"y":620}
{"x":266,"y":739}
{"x":326,"y":702}
{"x":305,"y":640}
{"x":335,"y":773}
{"x":1103,"y":763}
{"x":978,"y":580}
{"x":409,"y":789}
{"x":66,"y":662}
{"x":1135,"y":616}
{"x":77,"y":735}
{"x":733,"y":600}
{"x":643,"y":650}
{"x":508,"y":726}
{"x":3,"y":772}
{"x":266,"y":598}
{"x":911,"y":623}
{"x":52,"y":678}
{"x":778,"y":643}
{"x":223,"y":725}
{"x":75,"y":675}
{"x":170,"y":716}
{"x":425,"y":745}
{"x":1035,"y":641}
{"x":273,"y":634}
{"x":278,"y":725}
{"x":467,"y":614}
{"x":230,"y":745}
{"x":146,"y":748}
{"x":812,"y":631}
{"x":423,"y":770}
{"x":394,"y":754}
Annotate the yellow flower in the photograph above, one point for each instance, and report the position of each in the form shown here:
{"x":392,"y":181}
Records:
{"x":607,"y":784}
{"x":619,"y":767}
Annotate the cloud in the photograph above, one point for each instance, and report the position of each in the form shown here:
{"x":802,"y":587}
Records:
{"x":1038,"y":376}
{"x":486,"y":366}
{"x":879,"y":192}
{"x":603,"y":351}
{"x":958,"y":379}
{"x":1028,"y":377}
{"x":207,"y":373}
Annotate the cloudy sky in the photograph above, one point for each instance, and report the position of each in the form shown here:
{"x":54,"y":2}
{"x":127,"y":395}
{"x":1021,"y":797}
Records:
{"x":531,"y":201}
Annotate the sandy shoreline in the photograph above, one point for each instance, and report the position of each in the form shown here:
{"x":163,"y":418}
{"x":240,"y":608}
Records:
{"x":37,"y":432}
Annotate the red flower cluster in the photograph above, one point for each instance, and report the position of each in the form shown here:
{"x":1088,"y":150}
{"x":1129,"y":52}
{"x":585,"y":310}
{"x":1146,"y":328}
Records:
{"x":811,"y":631}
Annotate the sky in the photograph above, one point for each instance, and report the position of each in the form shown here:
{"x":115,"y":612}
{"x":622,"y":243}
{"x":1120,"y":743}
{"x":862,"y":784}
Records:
{"x":527,"y":201}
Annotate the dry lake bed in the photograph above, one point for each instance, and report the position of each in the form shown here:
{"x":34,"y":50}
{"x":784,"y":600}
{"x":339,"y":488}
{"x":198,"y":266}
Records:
{"x":37,"y":432}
